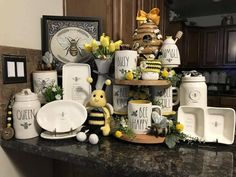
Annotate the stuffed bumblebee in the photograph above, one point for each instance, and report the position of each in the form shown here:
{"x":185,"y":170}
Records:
{"x":99,"y":116}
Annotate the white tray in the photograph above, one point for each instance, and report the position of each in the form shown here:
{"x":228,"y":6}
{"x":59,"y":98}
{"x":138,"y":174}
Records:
{"x":61,"y":116}
{"x":221,"y":125}
{"x":210,"y":124}
{"x":193,"y":120}
{"x":74,"y":82}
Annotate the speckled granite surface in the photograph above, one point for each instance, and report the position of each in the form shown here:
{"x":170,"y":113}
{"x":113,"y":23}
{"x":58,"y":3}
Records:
{"x":119,"y":158}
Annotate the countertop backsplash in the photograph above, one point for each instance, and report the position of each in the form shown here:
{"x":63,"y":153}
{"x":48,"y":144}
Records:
{"x":6,"y":90}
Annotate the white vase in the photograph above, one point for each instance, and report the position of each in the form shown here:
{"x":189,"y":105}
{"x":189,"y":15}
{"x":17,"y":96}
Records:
{"x":103,"y":67}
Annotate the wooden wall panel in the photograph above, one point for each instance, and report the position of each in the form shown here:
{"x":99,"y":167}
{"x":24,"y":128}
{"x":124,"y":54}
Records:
{"x":118,"y":16}
{"x":124,"y":20}
{"x":92,"y":8}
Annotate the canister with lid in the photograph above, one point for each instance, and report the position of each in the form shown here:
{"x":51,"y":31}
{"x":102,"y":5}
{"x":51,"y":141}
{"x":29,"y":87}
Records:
{"x":193,"y":91}
{"x":25,"y":108}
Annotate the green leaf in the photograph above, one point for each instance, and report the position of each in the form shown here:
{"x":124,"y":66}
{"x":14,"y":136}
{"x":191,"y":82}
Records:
{"x":171,"y":140}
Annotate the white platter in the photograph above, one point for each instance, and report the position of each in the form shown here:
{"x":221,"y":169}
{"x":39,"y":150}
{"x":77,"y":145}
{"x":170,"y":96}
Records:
{"x":193,"y":120}
{"x":209,"y":124}
{"x":221,"y":125}
{"x":61,"y":116}
{"x":58,"y":136}
{"x":74,"y":82}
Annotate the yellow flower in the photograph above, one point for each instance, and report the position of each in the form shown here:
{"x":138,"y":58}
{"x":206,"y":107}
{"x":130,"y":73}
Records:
{"x":112,"y":47}
{"x":179,"y":127}
{"x":172,"y":72}
{"x":94,"y":45}
{"x":129,"y":75}
{"x":118,"y":134}
{"x":117,"y":44}
{"x":165,"y":73}
{"x":104,"y":40}
{"x":88,"y":47}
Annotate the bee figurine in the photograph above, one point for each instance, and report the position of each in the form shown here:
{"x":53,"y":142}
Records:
{"x":99,"y":116}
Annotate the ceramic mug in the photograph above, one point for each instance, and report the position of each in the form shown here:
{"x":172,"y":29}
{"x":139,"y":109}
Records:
{"x":164,"y":96}
{"x":139,"y":115}
{"x":41,"y":80}
{"x":125,"y":60}
{"x":120,"y":98}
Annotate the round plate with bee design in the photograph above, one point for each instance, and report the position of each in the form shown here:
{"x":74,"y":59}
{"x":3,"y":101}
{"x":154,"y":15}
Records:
{"x":67,"y":44}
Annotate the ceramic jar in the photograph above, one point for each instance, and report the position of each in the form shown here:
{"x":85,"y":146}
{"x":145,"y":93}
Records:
{"x":25,"y":109}
{"x":41,"y":80}
{"x":170,"y":53}
{"x":193,"y":91}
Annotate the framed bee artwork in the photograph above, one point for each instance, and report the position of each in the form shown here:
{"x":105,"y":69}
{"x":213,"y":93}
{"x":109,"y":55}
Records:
{"x":65,"y":36}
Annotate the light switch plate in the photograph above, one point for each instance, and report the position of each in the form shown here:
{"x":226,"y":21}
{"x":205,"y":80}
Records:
{"x":14,"y":69}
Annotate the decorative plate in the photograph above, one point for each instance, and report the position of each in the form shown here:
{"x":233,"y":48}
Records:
{"x":67,"y":44}
{"x":61,"y":116}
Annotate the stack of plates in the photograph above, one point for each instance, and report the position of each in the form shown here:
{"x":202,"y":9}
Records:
{"x":61,"y":119}
{"x":210,"y":124}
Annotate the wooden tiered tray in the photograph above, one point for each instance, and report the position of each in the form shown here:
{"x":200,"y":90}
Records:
{"x":143,"y":139}
{"x":159,"y":83}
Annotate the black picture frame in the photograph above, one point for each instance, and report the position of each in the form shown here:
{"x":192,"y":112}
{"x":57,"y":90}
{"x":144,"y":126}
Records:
{"x":14,"y":69}
{"x":53,"y":25}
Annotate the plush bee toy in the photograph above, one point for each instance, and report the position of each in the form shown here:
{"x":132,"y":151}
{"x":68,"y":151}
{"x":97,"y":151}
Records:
{"x":99,"y":116}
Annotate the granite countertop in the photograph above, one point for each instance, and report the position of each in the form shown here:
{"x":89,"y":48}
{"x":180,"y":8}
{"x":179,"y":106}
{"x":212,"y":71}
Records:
{"x":121,"y":158}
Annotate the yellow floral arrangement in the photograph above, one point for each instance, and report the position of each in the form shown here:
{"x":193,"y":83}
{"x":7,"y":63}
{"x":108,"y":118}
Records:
{"x":103,"y":49}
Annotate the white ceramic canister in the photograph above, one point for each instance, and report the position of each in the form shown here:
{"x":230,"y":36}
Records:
{"x":193,"y":91}
{"x":170,"y":53}
{"x":25,"y":108}
{"x":41,"y":80}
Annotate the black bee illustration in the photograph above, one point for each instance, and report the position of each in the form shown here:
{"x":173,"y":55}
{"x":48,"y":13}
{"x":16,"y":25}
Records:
{"x":42,"y":83}
{"x":73,"y":48}
{"x":117,"y":93}
{"x":25,"y":125}
{"x":70,"y":45}
{"x":134,"y":113}
{"x":76,"y":78}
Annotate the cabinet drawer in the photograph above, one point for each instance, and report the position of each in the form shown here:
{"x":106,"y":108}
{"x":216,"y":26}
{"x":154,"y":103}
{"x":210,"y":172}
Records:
{"x":228,"y":102}
{"x":213,"y":101}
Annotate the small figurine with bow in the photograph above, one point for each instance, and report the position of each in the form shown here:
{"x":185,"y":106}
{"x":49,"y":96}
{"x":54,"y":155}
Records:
{"x":99,"y":116}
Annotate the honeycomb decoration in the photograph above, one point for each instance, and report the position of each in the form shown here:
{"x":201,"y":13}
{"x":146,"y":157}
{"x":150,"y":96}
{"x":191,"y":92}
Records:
{"x":147,"y":38}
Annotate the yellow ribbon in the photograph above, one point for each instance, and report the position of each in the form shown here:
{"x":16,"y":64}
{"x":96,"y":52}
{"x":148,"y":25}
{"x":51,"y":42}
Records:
{"x":152,"y":15}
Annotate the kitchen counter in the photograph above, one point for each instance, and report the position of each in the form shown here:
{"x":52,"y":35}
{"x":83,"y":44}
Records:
{"x":118,"y":158}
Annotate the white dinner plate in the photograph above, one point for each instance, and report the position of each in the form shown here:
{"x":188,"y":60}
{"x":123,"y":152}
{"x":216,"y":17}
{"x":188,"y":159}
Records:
{"x":74,"y":82}
{"x":57,"y":136}
{"x":61,"y":116}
